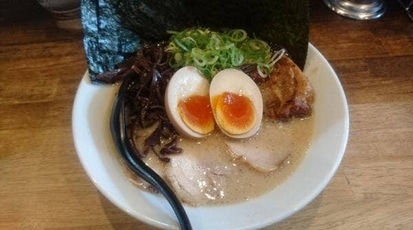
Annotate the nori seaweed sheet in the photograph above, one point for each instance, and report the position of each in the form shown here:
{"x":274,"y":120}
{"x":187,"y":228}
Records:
{"x":114,"y":29}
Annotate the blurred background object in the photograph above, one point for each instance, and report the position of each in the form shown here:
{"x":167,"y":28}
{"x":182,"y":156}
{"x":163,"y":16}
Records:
{"x":358,"y":9}
{"x":12,"y":11}
{"x":408,"y":7}
{"x":66,"y":13}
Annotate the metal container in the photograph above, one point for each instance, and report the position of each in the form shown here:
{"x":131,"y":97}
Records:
{"x":66,"y":13}
{"x":357,"y":9}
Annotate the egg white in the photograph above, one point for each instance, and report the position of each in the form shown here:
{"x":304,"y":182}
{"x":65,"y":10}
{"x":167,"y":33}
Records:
{"x":237,"y":82}
{"x":186,"y":82}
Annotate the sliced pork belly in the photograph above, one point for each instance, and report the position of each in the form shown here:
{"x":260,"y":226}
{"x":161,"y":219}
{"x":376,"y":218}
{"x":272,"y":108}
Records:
{"x":193,"y":180}
{"x":266,"y":153}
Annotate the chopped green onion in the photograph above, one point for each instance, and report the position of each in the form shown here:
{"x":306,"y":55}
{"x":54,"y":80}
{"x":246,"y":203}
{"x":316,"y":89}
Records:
{"x":211,"y":51}
{"x":238,"y":35}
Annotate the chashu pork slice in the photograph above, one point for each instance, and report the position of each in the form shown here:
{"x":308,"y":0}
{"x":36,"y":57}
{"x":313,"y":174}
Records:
{"x":287,"y":92}
{"x":266,"y":153}
{"x":193,"y":180}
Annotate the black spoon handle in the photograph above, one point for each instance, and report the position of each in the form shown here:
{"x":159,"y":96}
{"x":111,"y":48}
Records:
{"x":118,"y":128}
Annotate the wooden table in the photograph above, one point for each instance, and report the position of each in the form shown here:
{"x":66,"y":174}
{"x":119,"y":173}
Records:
{"x":43,"y":185}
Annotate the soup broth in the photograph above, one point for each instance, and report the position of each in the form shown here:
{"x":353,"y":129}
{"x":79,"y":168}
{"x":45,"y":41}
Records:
{"x":233,"y":178}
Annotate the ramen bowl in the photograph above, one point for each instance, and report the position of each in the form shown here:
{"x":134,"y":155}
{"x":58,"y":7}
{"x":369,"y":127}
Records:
{"x":99,"y":157}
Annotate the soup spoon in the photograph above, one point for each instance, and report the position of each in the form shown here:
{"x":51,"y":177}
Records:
{"x":124,"y":146}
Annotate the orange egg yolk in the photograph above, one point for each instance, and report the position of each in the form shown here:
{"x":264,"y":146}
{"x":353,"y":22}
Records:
{"x":234,"y":113}
{"x":196,"y":113}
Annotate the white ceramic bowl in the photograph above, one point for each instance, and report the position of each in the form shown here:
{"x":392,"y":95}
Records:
{"x":98,"y":155}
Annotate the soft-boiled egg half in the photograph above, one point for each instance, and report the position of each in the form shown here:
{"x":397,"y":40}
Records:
{"x":187,"y":103}
{"x":232,"y":101}
{"x":236,"y":103}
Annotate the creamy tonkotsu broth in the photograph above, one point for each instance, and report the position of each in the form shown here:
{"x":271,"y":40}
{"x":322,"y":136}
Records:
{"x":229,"y":178}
